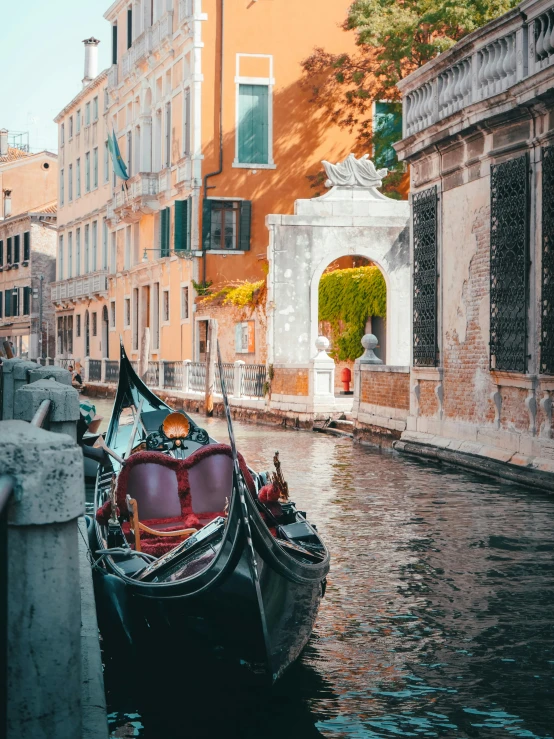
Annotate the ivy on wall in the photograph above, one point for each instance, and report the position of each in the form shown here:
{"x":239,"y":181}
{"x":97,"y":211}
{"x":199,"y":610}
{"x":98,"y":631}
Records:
{"x":240,"y":294}
{"x":347,"y":298}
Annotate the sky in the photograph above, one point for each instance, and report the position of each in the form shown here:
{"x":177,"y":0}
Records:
{"x":42,"y":60}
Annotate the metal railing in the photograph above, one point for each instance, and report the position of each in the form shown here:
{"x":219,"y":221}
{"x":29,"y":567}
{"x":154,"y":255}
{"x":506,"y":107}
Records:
{"x":174,"y":375}
{"x":65,"y":363}
{"x":94,"y":370}
{"x":112,"y":370}
{"x":253,"y":378}
{"x":153,"y":374}
{"x":228,"y":376}
{"x":197,"y":376}
{"x":41,"y":413}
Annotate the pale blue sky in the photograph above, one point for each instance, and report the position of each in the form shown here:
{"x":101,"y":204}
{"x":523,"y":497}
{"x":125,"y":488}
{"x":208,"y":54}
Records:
{"x":42,"y":61}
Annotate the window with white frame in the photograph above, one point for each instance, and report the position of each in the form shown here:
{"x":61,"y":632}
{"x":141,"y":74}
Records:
{"x":94,"y":266}
{"x":70,"y":254}
{"x":78,"y":121}
{"x":77,"y":252}
{"x":156,"y":315}
{"x":62,"y":134}
{"x":186,"y":123}
{"x":95,"y":167}
{"x":129,"y":138}
{"x":113,"y":253}
{"x":167,"y":162}
{"x":78,"y":178}
{"x":87,"y":171}
{"x":70,"y":126}
{"x":184,"y":302}
{"x":165,"y":306}
{"x":70,"y":183}
{"x":60,"y":258}
{"x":95,"y":108}
{"x":106,"y":162}
{"x":87,"y":248}
{"x":87,"y":114}
{"x":112,"y":314}
{"x":254,"y":114}
{"x":61,"y":187}
{"x":104,"y":243}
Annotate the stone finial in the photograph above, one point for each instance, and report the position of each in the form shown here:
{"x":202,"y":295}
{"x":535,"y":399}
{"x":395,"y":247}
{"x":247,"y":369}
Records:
{"x":369,"y":342}
{"x":322,"y":345}
{"x":354,"y":172}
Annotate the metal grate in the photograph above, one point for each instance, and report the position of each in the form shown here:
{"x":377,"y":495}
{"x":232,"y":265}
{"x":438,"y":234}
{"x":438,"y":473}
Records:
{"x":173,"y":375}
{"x":94,"y":370}
{"x":509,"y":264}
{"x":547,"y":292}
{"x":424,"y":208}
{"x":153,"y":374}
{"x":253,"y":379}
{"x":112,"y":370}
{"x":229,"y":377}
{"x":197,"y":377}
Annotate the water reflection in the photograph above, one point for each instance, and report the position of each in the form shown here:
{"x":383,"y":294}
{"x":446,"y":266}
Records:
{"x":437,"y":620}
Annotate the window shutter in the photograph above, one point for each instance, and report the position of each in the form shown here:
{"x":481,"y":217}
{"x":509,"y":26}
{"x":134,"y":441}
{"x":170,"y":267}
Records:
{"x":9,"y":249}
{"x":16,"y":249}
{"x":26,"y":246}
{"x":1,"y":304}
{"x":1,"y":253}
{"x":26,"y":301}
{"x":253,"y":126}
{"x":7,"y":300}
{"x":206,"y":224}
{"x":163,"y":216}
{"x":245,"y":218}
{"x":182,"y":225}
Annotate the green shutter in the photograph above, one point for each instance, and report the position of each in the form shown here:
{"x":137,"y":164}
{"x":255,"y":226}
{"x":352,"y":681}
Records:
{"x":181,"y":236}
{"x":245,"y":219}
{"x":26,"y":246}
{"x":253,"y":125}
{"x":7,"y":299}
{"x":206,"y":223}
{"x":164,"y":232}
{"x":26,"y":300}
{"x":16,"y":254}
{"x":1,"y":304}
{"x":1,"y":253}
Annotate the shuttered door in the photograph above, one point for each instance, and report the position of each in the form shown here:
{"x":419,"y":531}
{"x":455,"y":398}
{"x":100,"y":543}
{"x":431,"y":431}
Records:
{"x":181,"y":236}
{"x":253,"y":126}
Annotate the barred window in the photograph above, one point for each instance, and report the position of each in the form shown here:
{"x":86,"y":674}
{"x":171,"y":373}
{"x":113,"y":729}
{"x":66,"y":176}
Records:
{"x":509,"y":264}
{"x":424,"y":209}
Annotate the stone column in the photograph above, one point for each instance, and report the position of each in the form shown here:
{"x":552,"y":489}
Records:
{"x":64,"y":411}
{"x":186,"y":375}
{"x":16,"y":374}
{"x":44,"y":606}
{"x":86,"y":361}
{"x":322,"y":375}
{"x":103,"y":369}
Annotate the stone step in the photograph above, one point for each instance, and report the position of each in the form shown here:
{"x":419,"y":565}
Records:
{"x":343,"y":425}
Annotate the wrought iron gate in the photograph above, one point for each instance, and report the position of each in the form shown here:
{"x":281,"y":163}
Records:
{"x":425,"y":278}
{"x":547,"y":276}
{"x":509,"y":264}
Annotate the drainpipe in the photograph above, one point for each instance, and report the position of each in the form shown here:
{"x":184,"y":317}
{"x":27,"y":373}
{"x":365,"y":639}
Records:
{"x":220,"y":169}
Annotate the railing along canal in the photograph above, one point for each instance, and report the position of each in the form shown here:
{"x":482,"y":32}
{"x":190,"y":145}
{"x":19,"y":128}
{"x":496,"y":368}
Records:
{"x":94,"y":370}
{"x":112,"y":370}
{"x":173,"y":375}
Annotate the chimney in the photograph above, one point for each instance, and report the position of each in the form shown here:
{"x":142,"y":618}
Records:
{"x":3,"y":142}
{"x":91,"y":59}
{"x":7,"y":203}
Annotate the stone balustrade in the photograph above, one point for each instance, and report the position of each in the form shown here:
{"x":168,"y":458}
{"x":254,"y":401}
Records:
{"x":80,"y":287}
{"x":486,"y":63}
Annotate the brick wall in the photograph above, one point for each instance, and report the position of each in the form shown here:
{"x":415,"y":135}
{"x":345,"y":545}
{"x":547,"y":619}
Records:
{"x":386,"y":389}
{"x":428,"y":401}
{"x":290,"y":381}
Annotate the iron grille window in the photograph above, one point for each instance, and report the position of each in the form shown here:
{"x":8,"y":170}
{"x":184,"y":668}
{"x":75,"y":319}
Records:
{"x":425,"y":278}
{"x":509,"y":264}
{"x":547,"y":277}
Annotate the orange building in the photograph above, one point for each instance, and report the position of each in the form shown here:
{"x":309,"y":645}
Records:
{"x":216,"y":131}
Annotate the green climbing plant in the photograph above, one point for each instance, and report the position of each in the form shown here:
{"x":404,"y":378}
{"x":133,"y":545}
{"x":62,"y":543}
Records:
{"x":347,"y":298}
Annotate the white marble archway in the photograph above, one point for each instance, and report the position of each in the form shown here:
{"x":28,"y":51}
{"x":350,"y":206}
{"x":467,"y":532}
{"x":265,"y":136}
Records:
{"x":351,"y":219}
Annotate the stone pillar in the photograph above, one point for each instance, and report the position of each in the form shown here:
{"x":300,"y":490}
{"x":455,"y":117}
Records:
{"x":161,"y":372}
{"x":86,"y":361}
{"x":59,"y":374}
{"x":16,"y":374}
{"x":322,"y":374}
{"x":186,"y":375}
{"x":44,"y":605}
{"x":237,"y":379}
{"x":103,"y":369}
{"x":64,"y":411}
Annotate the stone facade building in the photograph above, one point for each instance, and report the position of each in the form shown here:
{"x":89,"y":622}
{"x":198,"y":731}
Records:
{"x":479,"y":139}
{"x":28,"y":184}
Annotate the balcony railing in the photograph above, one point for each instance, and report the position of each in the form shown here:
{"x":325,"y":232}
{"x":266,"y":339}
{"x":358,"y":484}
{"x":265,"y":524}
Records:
{"x":112,"y":76}
{"x":185,"y":10}
{"x":78,"y":287}
{"x":141,"y":189}
{"x":498,"y":56}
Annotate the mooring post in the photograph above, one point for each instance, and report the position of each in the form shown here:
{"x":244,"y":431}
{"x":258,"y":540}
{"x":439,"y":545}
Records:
{"x":44,"y":605}
{"x":64,"y":409}
{"x":59,"y":374}
{"x":211,"y":354}
{"x":16,"y":374}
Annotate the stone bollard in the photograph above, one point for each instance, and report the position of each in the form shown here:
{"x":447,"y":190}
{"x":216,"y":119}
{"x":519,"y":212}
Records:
{"x":44,"y":605}
{"x":64,"y":412}
{"x":15,"y":373}
{"x":59,"y":374}
{"x":369,"y":343}
{"x":323,"y":373}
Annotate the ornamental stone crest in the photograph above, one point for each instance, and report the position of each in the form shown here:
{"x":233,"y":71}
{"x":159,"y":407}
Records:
{"x":354,"y":172}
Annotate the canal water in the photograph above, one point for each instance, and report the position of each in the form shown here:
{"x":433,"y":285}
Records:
{"x":438,"y":619}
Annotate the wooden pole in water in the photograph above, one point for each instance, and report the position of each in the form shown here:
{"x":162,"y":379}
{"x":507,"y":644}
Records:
{"x":211,"y":345}
{"x":144,"y":352}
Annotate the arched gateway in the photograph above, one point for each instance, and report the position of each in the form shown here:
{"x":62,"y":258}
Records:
{"x":354,"y":218}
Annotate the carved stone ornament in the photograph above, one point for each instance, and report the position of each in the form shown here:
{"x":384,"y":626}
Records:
{"x":354,"y":173}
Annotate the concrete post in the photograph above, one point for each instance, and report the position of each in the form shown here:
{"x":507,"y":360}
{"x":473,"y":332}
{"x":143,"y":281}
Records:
{"x":186,"y":375}
{"x":103,"y":370}
{"x":64,"y":412}
{"x":86,"y":369}
{"x":59,"y":374}
{"x":323,"y":373}
{"x":237,"y":380}
{"x":161,"y":373}
{"x":15,"y":376}
{"x":44,"y":608}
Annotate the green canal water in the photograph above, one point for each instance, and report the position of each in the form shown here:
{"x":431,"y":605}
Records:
{"x":438,"y":619}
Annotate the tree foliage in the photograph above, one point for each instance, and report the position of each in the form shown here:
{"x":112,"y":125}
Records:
{"x":347,"y":297}
{"x":393,"y":37}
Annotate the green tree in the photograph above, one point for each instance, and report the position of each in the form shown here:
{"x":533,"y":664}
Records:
{"x":394,"y":37}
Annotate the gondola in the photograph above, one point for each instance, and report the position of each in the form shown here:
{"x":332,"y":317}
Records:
{"x":195,"y":550}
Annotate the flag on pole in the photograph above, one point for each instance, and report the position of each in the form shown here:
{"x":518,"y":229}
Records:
{"x":117,"y":160}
